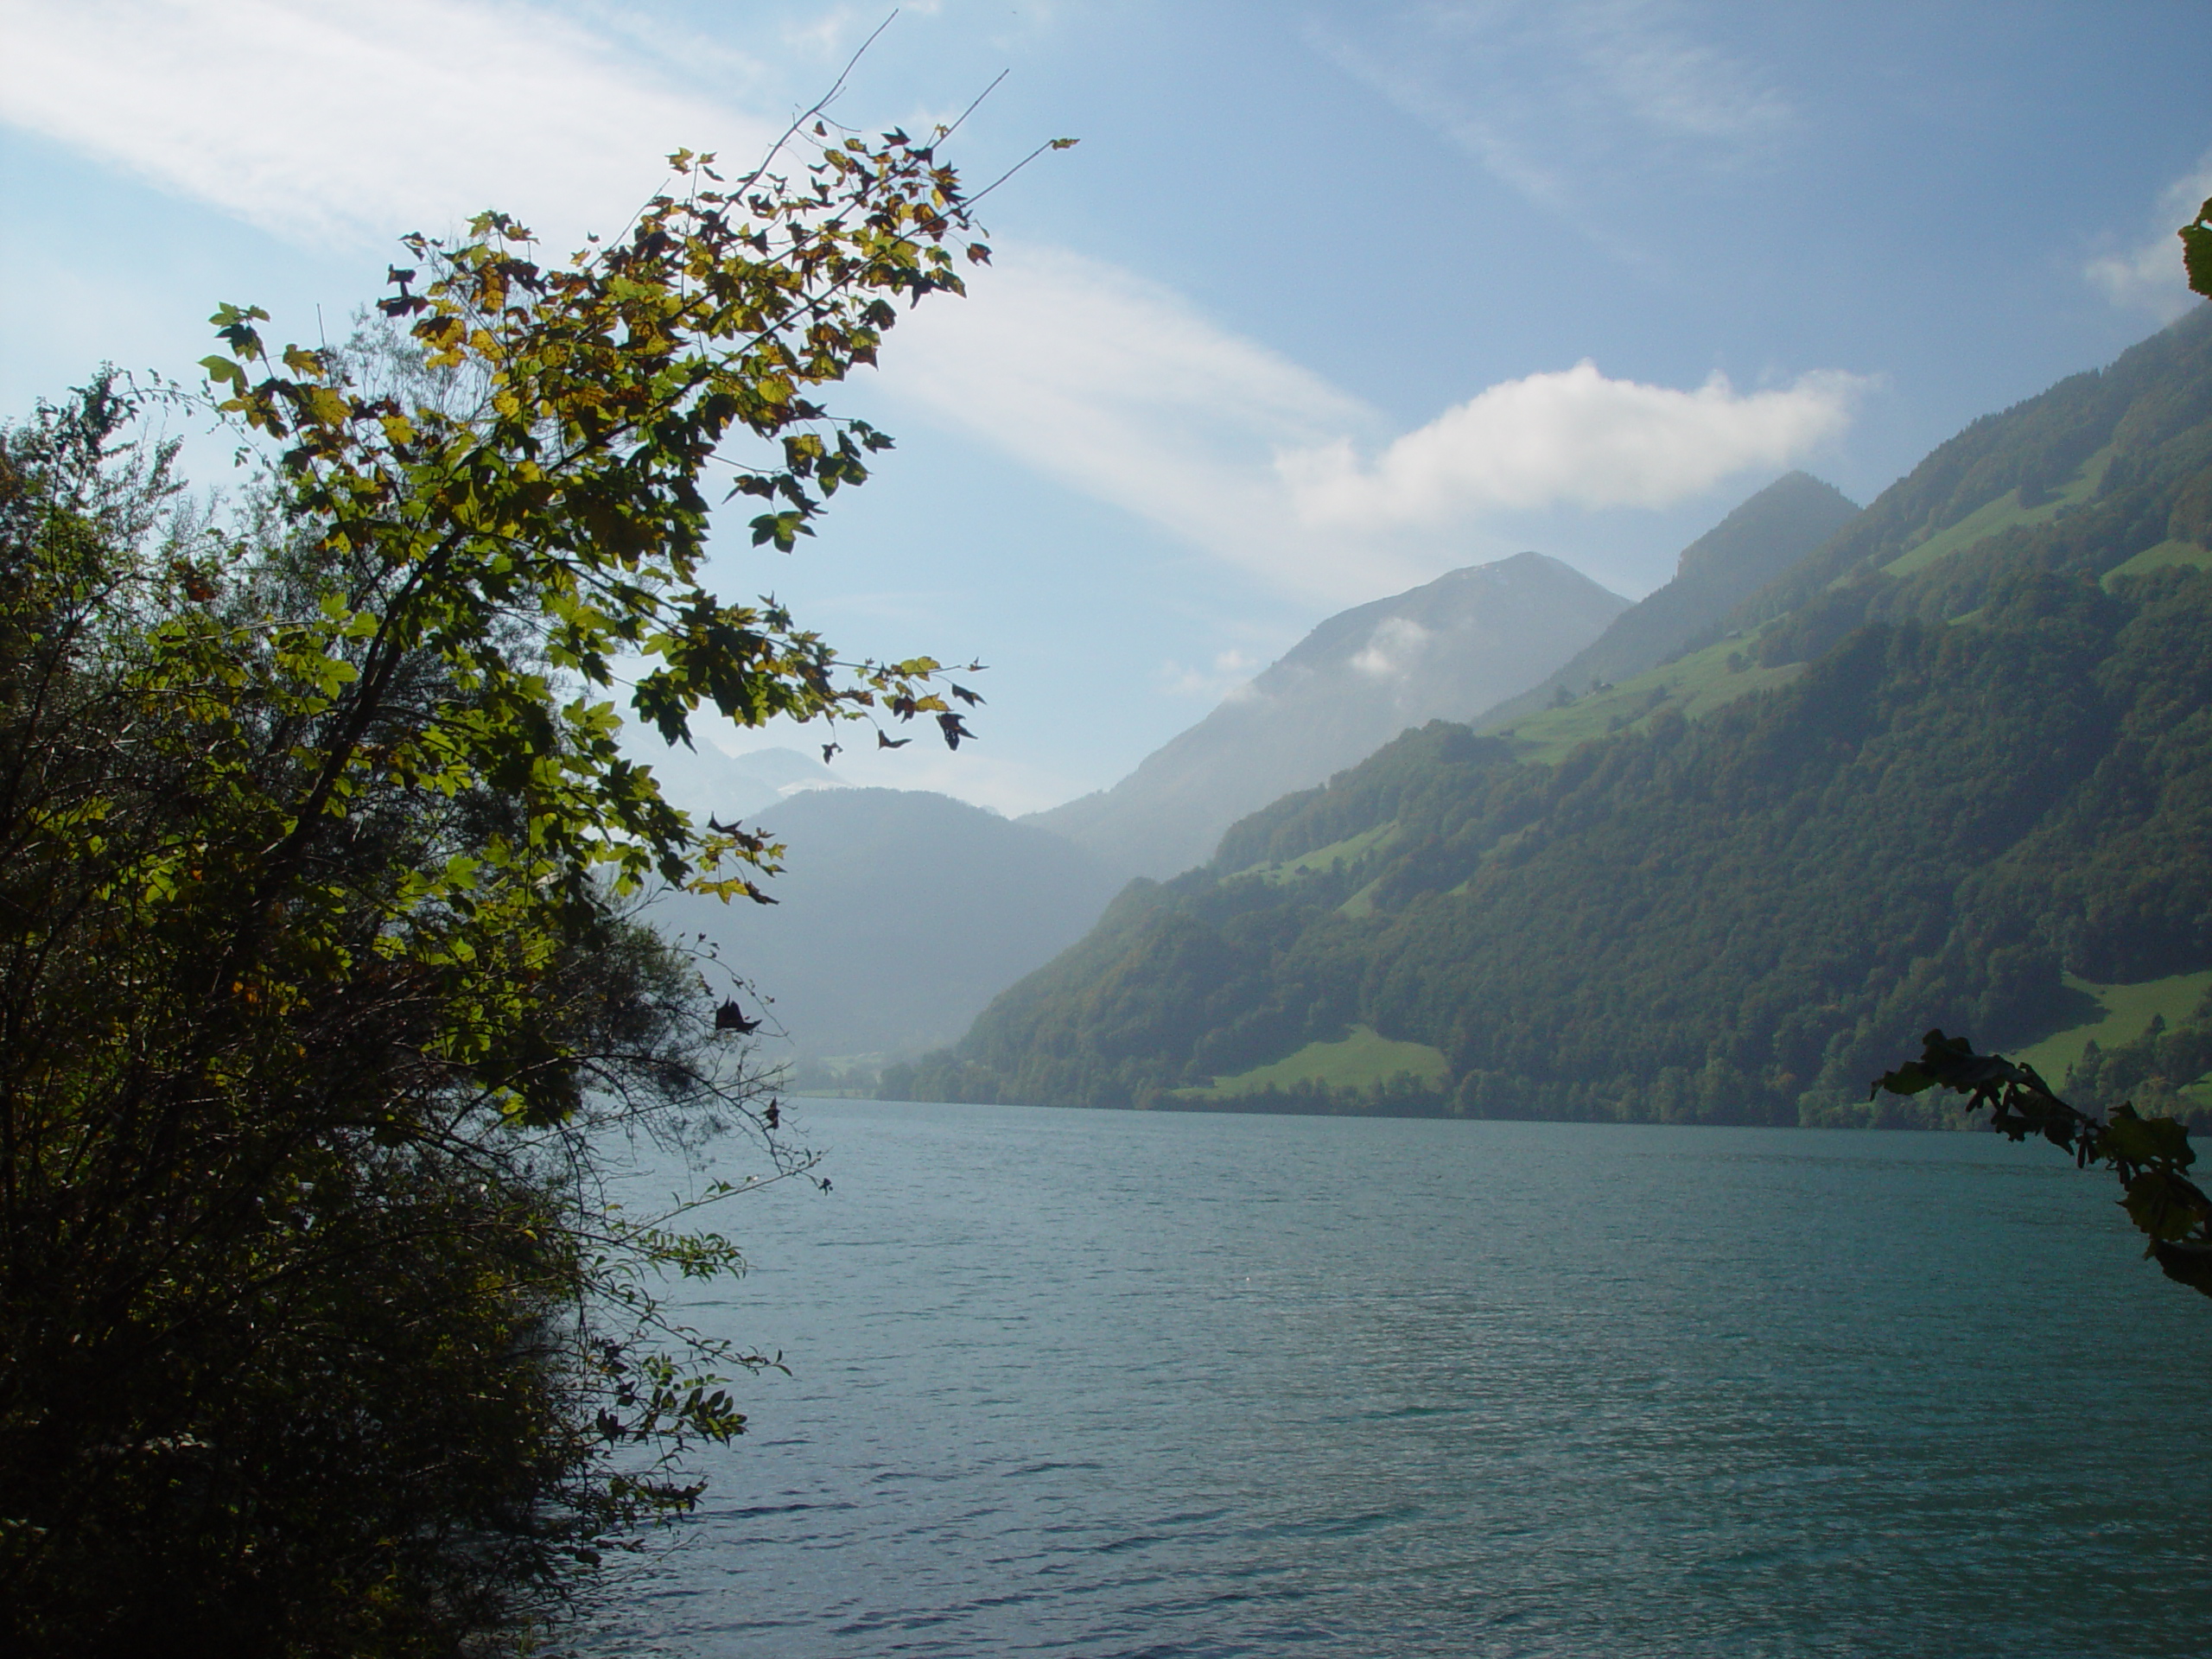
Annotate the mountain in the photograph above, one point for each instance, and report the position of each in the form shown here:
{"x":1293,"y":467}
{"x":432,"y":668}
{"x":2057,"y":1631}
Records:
{"x":900,"y":914}
{"x":1447,"y":649}
{"x":1751,"y":547}
{"x":1954,"y":768}
{"x":704,"y":779}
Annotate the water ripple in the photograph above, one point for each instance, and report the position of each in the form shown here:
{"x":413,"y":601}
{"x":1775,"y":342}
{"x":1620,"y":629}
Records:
{"x":1119,"y":1386}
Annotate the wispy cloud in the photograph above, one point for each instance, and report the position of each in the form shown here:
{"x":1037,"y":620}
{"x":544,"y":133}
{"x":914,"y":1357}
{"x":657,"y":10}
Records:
{"x":1118,"y":388}
{"x":1663,"y":79}
{"x":1396,"y":645}
{"x":1125,"y":391}
{"x":1571,"y":103}
{"x":354,"y":120}
{"x":1229,"y":669}
{"x":1573,"y":438}
{"x":2149,"y":277}
{"x":982,"y":773}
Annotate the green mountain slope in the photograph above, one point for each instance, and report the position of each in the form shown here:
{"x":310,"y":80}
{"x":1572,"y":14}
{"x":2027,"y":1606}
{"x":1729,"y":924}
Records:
{"x":1947,"y":784}
{"x":1759,"y":541}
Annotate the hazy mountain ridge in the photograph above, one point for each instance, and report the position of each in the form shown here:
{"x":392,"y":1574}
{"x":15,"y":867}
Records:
{"x":1760,"y":541}
{"x":1447,"y":648}
{"x":900,"y":913}
{"x":1981,"y":762}
{"x":705,"y":780}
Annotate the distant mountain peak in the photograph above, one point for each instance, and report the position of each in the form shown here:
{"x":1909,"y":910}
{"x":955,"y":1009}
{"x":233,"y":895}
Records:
{"x":900,"y":913}
{"x":784,"y":770}
{"x":1442,"y":649}
{"x":1945,"y":760}
{"x":708,"y":779}
{"x":1744,"y":543}
{"x":1773,"y":531}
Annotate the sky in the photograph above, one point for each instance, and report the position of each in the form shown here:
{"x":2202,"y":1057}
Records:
{"x":1329,"y":298}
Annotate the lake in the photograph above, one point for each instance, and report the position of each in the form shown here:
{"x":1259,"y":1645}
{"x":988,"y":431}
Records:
{"x":1099,"y":1383}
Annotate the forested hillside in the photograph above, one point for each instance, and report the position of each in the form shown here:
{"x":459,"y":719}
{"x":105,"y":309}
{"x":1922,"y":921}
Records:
{"x":1961,"y":752}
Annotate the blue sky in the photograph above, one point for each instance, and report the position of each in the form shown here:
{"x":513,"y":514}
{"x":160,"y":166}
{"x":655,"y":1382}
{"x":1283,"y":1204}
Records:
{"x":1330,"y":298}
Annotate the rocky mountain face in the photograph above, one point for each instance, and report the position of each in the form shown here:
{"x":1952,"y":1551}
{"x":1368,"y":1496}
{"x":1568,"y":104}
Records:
{"x":1446,"y":650}
{"x":1753,"y":545}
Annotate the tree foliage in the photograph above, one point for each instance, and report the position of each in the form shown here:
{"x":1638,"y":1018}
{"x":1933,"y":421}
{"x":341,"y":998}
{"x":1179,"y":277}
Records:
{"x":319,"y":985}
{"x":2149,"y":1155}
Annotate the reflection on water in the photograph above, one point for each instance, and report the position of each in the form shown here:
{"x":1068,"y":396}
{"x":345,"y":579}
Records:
{"x":1101,"y":1384}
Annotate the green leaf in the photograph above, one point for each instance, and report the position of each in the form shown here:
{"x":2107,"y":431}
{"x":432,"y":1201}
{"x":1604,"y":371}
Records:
{"x":2161,"y":1142}
{"x":2164,"y":1205}
{"x":2196,"y":250}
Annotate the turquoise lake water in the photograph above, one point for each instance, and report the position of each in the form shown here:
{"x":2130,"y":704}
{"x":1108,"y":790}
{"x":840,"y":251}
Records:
{"x":1097,"y":1384}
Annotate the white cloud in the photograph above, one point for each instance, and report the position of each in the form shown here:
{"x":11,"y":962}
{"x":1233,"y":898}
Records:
{"x":1230,"y":671}
{"x":2149,"y":277}
{"x":1395,"y":646}
{"x":348,"y":121}
{"x":355,"y":120}
{"x":1570,"y":438}
{"x":1120,"y":389}
{"x":1125,"y":391}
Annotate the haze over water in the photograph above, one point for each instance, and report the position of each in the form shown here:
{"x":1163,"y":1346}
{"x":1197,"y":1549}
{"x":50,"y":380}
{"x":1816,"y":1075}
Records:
{"x":1125,"y":1385}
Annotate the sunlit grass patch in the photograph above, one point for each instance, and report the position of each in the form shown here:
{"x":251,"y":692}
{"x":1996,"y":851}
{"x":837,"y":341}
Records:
{"x":2123,"y":1015}
{"x":1364,"y":1059}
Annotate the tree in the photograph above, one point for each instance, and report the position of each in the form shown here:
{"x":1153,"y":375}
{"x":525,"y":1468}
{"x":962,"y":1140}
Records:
{"x":319,"y":983}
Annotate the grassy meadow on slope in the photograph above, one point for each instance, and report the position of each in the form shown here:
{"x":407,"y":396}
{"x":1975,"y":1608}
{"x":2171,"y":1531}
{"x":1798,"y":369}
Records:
{"x":1897,"y":788}
{"x":1361,"y":1060}
{"x":2116,"y":1015}
{"x":1689,"y":686}
{"x":1759,"y":541}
